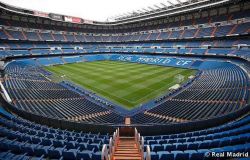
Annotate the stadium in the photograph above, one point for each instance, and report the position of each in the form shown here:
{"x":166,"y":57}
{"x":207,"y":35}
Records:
{"x":169,"y":82}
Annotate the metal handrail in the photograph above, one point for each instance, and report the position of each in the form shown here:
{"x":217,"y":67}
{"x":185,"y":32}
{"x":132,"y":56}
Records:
{"x":136,"y":135}
{"x":140,"y":142}
{"x":148,"y":157}
{"x":105,"y":152}
{"x":142,"y":147}
{"x":113,"y":142}
{"x":110,"y":145}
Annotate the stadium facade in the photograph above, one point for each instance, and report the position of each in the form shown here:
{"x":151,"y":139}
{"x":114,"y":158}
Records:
{"x":47,"y":116}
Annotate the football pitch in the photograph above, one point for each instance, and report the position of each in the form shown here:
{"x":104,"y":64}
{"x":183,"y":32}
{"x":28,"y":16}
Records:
{"x":124,"y":83}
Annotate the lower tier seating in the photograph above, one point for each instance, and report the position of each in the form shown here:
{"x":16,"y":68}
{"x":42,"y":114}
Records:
{"x":216,"y":92}
{"x":22,"y":139}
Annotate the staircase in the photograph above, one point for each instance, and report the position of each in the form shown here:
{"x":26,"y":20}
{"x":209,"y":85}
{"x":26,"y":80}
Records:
{"x":233,"y":29}
{"x":128,"y":146}
{"x":127,"y":149}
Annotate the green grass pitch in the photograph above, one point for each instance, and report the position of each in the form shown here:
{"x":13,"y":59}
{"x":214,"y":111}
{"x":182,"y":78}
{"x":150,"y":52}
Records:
{"x":124,"y":83}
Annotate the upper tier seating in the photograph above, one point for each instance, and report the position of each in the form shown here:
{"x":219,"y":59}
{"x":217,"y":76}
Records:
{"x":200,"y":28}
{"x":218,"y":47}
{"x":219,"y":31}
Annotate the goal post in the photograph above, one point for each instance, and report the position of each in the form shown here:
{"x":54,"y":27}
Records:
{"x":179,"y":78}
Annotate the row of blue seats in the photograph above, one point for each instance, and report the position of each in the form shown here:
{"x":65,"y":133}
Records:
{"x":22,"y":139}
{"x":169,"y":44}
{"x":197,"y":51}
{"x":202,"y":32}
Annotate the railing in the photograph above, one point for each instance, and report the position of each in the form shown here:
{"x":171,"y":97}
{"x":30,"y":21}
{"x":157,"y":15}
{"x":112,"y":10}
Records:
{"x":142,"y":147}
{"x":5,"y":93}
{"x":113,"y":142}
{"x":148,"y":157}
{"x":110,"y":145}
{"x":140,"y":143}
{"x":105,"y":153}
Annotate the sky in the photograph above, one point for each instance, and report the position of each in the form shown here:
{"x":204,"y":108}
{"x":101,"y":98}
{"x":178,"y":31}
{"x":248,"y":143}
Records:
{"x":98,"y":10}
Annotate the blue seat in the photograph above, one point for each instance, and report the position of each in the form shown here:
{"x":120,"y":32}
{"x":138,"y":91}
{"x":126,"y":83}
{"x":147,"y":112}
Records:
{"x":69,"y":154}
{"x":157,"y":137}
{"x":200,"y":138}
{"x":70,"y":145}
{"x":169,"y":147}
{"x":4,"y":146}
{"x":46,"y":142}
{"x":163,"y":141}
{"x":192,"y":139}
{"x":89,"y":140}
{"x":173,"y":136}
{"x":182,"y":156}
{"x":172,"y":140}
{"x":193,"y":146}
{"x":182,"y":140}
{"x":55,"y":153}
{"x":58,"y":143}
{"x":247,"y":147}
{"x":15,"y":148}
{"x":175,"y":152}
{"x":50,"y":135}
{"x":154,"y":156}
{"x":148,"y":138}
{"x":7,"y":155}
{"x":28,"y":148}
{"x":165,"y":137}
{"x":82,"y":146}
{"x":182,"y":147}
{"x":225,"y":142}
{"x":60,"y":137}
{"x":157,"y":147}
{"x":197,"y":156}
{"x":98,"y":141}
{"x":190,"y":152}
{"x":86,"y":155}
{"x":163,"y":155}
{"x":93,"y":147}
{"x":203,"y":150}
{"x":214,"y":144}
{"x":39,"y":151}
{"x":11,"y":135}
{"x":236,"y":140}
{"x":237,"y":148}
{"x":150,"y":142}
{"x":228,"y":149}
{"x":97,"y":156}
{"x":204,"y":145}
{"x":70,"y":138}
{"x":27,"y":139}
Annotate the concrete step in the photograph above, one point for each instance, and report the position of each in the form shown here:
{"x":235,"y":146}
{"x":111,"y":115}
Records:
{"x":127,"y":142}
{"x":125,"y":151}
{"x":124,"y":145}
{"x":127,"y":158}
{"x":127,"y":155}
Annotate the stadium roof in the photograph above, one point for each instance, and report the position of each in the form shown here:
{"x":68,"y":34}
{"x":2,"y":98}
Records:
{"x":98,"y":10}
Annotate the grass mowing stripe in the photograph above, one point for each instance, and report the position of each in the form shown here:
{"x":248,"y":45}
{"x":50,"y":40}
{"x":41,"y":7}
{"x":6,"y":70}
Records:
{"x":158,"y":88}
{"x":152,"y":81}
{"x":127,"y":84}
